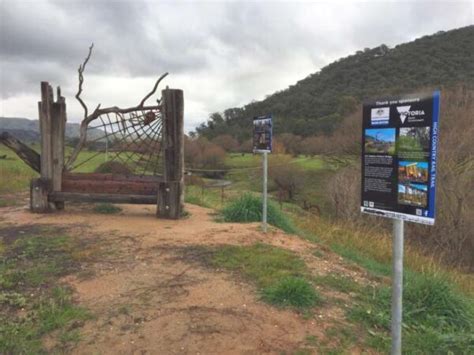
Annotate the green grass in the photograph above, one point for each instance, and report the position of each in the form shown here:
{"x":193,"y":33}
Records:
{"x":106,"y":208}
{"x":280,"y":275}
{"x":8,"y":201}
{"x":310,"y":163}
{"x":248,"y":208}
{"x":15,"y":175}
{"x":291,"y":291}
{"x":237,"y":160}
{"x":31,"y":265}
{"x":374,"y":267}
{"x":338,"y":282}
{"x":209,"y":198}
{"x":436,"y":318}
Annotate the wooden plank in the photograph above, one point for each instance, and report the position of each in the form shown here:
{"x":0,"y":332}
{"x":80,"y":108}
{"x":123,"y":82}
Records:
{"x":111,"y":187}
{"x":25,"y":153}
{"x":173,"y":155}
{"x":83,"y":197}
{"x":39,"y":189}
{"x":112,"y":177}
{"x":44,"y":108}
{"x":58,"y":127}
{"x":46,"y":156}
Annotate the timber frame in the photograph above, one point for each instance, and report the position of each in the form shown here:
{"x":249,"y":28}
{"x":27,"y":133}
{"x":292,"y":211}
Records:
{"x":56,"y":185}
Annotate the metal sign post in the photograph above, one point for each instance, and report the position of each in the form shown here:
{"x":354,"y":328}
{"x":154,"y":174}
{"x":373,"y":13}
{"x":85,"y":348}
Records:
{"x":397,"y":286}
{"x":262,"y":143}
{"x":265,"y":174}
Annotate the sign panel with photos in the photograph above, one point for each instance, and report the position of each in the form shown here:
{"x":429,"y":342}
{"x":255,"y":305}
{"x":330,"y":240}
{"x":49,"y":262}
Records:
{"x":262,"y":134}
{"x":399,"y":151}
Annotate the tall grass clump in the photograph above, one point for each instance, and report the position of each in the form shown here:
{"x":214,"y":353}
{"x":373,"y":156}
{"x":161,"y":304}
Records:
{"x":248,"y":208}
{"x":291,"y":291}
{"x":436,"y":317}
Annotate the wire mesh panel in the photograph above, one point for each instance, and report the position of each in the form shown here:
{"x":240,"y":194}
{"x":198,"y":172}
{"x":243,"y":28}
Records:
{"x":129,"y":142}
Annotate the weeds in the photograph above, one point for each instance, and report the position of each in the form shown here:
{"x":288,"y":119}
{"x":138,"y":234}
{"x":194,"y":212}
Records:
{"x":106,"y":208}
{"x":248,"y":208}
{"x":32,"y":304}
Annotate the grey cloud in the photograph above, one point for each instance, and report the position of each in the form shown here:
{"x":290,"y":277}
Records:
{"x":248,"y":49}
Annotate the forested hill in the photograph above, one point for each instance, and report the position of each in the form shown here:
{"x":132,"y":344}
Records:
{"x":317,"y":103}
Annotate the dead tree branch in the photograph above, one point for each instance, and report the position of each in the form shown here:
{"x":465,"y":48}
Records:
{"x":98,"y":111}
{"x":81,"y":80}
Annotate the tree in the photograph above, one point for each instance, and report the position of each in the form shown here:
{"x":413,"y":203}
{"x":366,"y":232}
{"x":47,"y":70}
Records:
{"x":226,"y":142}
{"x":291,"y":142}
{"x":289,"y":178}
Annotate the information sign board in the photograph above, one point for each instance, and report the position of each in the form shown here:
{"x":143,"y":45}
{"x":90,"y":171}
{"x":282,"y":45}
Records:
{"x":262,"y":134}
{"x":399,"y":150}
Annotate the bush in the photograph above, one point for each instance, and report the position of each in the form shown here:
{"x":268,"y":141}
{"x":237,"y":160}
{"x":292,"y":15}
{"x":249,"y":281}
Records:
{"x":291,"y":291}
{"x":248,"y":208}
{"x":202,"y":154}
{"x":113,"y":167}
{"x":289,"y":178}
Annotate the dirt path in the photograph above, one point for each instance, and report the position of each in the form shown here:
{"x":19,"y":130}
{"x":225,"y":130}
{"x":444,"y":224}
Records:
{"x":152,"y":295}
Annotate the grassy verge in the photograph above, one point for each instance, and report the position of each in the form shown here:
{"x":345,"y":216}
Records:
{"x":32,"y":303}
{"x":372,"y":249}
{"x":280,"y":275}
{"x":436,"y":318}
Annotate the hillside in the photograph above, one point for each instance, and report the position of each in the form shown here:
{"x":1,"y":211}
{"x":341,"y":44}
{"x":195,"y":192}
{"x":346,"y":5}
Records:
{"x":28,"y":130}
{"x":317,"y":103}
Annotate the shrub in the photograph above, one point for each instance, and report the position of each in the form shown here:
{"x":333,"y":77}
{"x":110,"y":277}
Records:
{"x":113,"y":167}
{"x":248,"y":208}
{"x":291,"y":291}
{"x":202,"y":154}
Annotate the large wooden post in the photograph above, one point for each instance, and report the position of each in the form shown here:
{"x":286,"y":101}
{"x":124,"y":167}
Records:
{"x":58,"y":131}
{"x":52,"y":121}
{"x":171,"y":191}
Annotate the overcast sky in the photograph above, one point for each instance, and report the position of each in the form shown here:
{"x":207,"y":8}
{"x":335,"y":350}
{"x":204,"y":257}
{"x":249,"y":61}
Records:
{"x":221,"y":53}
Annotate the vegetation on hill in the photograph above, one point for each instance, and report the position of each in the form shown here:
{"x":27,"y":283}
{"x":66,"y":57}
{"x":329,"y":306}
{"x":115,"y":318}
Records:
{"x":27,"y":130}
{"x":318,"y":103}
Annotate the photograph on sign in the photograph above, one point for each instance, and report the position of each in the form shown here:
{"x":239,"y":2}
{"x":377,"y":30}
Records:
{"x":262,"y":134}
{"x":399,"y":146}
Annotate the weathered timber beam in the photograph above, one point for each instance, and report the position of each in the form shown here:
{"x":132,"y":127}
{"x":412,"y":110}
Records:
{"x":25,"y":153}
{"x":83,"y":197}
{"x":110,"y":187}
{"x":112,"y":177}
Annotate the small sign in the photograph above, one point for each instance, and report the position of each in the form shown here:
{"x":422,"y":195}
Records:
{"x":399,"y":151}
{"x":262,"y":134}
